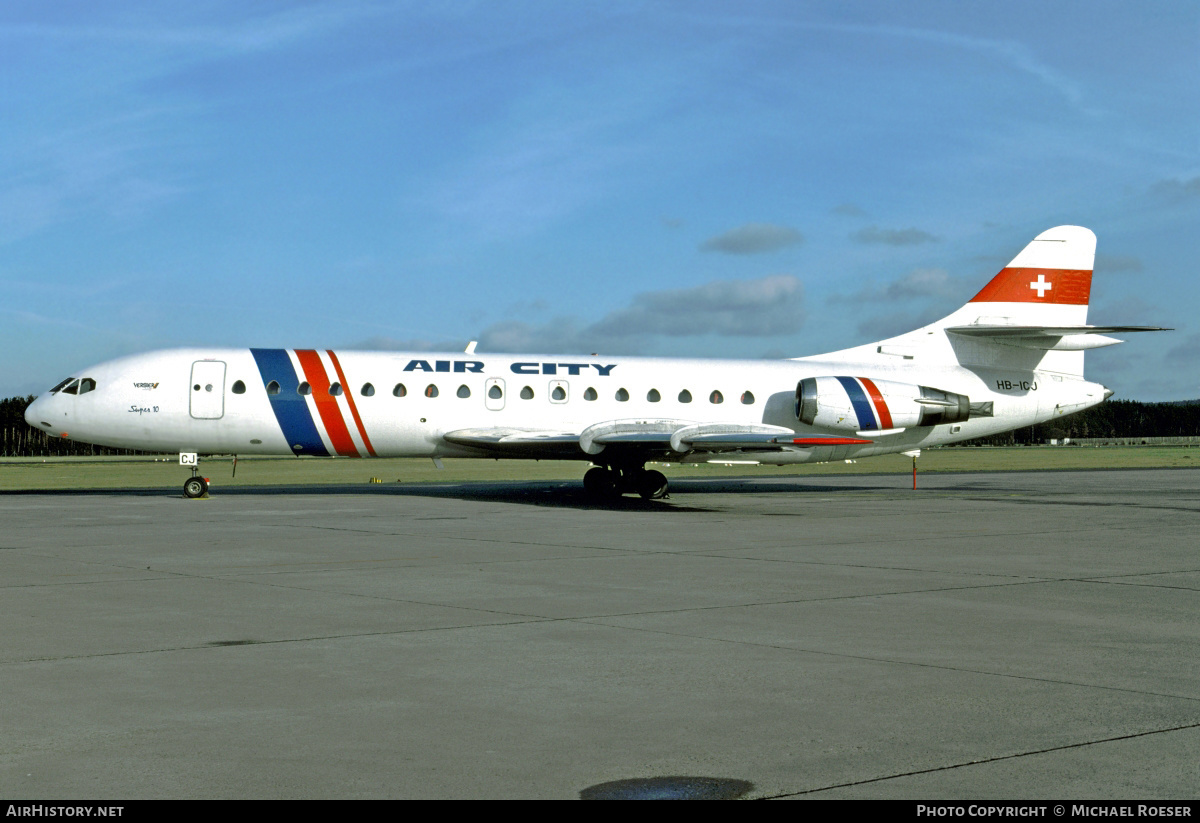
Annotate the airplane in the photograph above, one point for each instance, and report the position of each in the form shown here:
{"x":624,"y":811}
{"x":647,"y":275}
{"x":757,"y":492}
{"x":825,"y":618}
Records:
{"x":1010,"y":357}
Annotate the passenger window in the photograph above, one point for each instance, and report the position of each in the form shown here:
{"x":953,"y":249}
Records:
{"x":335,"y":389}
{"x":86,"y":385}
{"x":368,"y":390}
{"x":685,"y":396}
{"x":463,"y":391}
{"x":590,"y":394}
{"x":622,"y":395}
{"x":716,"y":397}
{"x":399,"y":391}
{"x":653,"y":396}
{"x":495,"y":393}
{"x":239,"y":387}
{"x":748,"y":398}
{"x":273,"y":387}
{"x":526,"y":393}
{"x":558,"y":395}
{"x":431,"y":390}
{"x":304,"y":389}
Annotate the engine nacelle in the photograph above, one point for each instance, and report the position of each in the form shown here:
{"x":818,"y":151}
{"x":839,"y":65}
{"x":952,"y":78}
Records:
{"x":859,"y":404}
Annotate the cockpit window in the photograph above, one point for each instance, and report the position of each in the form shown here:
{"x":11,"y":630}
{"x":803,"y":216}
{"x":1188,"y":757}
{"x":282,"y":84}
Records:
{"x":86,"y":385}
{"x":72,"y":389}
{"x":60,"y":385}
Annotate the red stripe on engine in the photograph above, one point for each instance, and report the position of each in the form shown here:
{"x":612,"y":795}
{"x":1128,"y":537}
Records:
{"x":327,"y":406}
{"x":885,"y":416}
{"x":350,"y":400}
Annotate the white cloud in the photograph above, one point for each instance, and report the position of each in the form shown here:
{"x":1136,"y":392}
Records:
{"x":925,"y":284}
{"x":743,"y":308}
{"x":764,"y":307}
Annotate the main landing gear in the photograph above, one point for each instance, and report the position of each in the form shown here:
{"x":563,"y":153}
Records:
{"x":614,"y":481}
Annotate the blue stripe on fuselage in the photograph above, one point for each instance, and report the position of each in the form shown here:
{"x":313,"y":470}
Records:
{"x":862,"y":406}
{"x":291,"y":409}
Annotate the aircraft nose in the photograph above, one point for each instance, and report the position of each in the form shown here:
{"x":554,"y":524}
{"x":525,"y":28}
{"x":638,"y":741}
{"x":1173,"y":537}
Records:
{"x":31,"y":412}
{"x":37,"y":412}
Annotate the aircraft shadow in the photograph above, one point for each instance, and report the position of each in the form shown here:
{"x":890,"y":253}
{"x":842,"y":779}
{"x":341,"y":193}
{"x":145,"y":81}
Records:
{"x":686,"y":493}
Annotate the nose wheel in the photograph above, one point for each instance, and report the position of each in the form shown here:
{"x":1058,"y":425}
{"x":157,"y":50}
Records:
{"x":195,"y":486}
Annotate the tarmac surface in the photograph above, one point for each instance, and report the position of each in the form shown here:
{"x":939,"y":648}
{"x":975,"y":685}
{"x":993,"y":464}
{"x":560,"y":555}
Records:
{"x":1003,"y":635}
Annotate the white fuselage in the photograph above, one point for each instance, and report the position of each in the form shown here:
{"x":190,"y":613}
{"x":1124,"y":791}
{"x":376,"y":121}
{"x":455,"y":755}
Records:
{"x":384,"y":404}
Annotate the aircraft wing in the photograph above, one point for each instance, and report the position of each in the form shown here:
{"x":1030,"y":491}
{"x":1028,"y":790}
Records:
{"x":647,"y":439}
{"x":511,"y":442}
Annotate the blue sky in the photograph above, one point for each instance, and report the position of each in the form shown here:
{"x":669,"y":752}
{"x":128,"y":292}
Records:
{"x":709,"y":179}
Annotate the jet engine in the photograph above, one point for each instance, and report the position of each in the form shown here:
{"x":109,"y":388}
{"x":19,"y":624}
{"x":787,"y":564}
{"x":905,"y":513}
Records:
{"x":860,"y":404}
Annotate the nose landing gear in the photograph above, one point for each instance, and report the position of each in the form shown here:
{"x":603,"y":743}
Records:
{"x":195,"y":486}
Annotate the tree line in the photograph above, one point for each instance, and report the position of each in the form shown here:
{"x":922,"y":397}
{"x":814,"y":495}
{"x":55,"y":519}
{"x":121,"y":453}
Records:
{"x":1113,"y":418}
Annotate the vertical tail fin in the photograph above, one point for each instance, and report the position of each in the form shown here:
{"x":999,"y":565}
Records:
{"x":1045,"y":287}
{"x":1032,"y":315}
{"x":1047,"y":284}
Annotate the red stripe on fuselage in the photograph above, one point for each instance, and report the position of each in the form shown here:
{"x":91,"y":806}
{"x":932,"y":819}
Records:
{"x":885,"y":416}
{"x":362,"y":430}
{"x":327,"y":406}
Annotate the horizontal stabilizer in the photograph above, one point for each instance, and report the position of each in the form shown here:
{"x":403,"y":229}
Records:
{"x":1057,"y":338}
{"x":979,"y":330}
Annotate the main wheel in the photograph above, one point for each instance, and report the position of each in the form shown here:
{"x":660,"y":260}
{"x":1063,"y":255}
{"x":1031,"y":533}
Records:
{"x":195,"y":487}
{"x":652,"y":485}
{"x":600,"y":481}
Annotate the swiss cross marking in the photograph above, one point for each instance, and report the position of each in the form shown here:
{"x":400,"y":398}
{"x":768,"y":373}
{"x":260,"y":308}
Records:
{"x":1042,"y":285}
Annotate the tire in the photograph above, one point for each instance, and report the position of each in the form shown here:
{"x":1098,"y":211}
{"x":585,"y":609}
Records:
{"x":600,"y":482}
{"x":195,"y":487}
{"x":652,"y":485}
